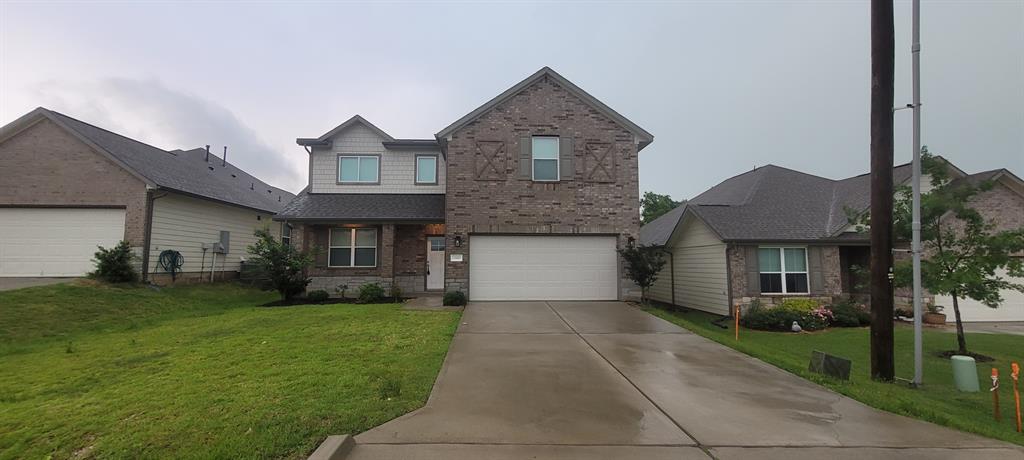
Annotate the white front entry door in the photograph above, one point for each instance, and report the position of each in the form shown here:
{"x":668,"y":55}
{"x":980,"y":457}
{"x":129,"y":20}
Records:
{"x":543,"y":268}
{"x":435,"y":262}
{"x":55,"y":241}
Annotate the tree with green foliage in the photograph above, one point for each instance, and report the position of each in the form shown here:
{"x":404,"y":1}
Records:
{"x":284,"y":265}
{"x":653,"y":206}
{"x":962,"y":251}
{"x":643,"y":263}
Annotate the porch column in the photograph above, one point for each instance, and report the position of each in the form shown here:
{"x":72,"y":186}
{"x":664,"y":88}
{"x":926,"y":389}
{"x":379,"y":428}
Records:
{"x":387,"y":255}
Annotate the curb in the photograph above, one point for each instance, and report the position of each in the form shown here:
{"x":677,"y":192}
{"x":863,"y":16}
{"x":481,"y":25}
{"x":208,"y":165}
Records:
{"x":334,"y":448}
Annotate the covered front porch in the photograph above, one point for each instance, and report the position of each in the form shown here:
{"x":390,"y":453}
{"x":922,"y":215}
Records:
{"x":409,"y":256}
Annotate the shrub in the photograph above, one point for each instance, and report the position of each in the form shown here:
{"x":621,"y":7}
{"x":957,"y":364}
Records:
{"x":781,"y":318}
{"x":370,"y":293}
{"x":114,"y":265}
{"x":800,"y":304}
{"x":643,"y":264}
{"x":284,"y":264}
{"x":850,"y":314}
{"x":318,"y":295}
{"x":454,"y":299}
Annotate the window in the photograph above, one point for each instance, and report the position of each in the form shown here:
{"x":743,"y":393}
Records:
{"x":286,"y":234}
{"x":783,"y":270}
{"x":358,"y":169}
{"x":353,"y":247}
{"x":426,"y":169}
{"x":545,"y":158}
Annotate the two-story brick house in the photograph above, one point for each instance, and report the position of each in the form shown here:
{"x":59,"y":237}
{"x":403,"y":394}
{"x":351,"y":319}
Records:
{"x":527,"y":197}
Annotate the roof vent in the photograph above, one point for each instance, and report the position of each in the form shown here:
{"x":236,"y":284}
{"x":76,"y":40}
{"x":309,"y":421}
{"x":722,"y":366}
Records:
{"x":233,"y":175}
{"x":207,"y":153}
{"x":211,"y":168}
{"x":224,"y":159}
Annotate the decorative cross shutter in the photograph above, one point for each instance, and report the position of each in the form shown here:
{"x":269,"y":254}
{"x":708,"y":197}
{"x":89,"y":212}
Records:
{"x":753,"y":270}
{"x":525,"y":158}
{"x":566,"y":170}
{"x":815,"y":274}
{"x":321,"y":235}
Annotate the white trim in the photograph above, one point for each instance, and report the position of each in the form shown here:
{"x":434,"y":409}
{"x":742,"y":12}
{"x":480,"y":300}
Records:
{"x":352,"y":247}
{"x":359,"y":168}
{"x":558,"y":160}
{"x":416,"y":170}
{"x":782,"y":268}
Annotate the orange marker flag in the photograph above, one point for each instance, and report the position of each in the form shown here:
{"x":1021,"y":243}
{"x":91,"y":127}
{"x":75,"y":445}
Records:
{"x":1016,"y":394}
{"x":995,"y":394}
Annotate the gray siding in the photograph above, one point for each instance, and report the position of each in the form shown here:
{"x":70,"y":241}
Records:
{"x":397,"y":167}
{"x":700,"y":270}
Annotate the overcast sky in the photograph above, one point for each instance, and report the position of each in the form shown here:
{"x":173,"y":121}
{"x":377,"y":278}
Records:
{"x":723,"y":86}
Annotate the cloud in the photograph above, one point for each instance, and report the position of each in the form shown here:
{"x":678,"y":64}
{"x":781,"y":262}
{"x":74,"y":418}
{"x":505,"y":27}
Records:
{"x":151,"y":112}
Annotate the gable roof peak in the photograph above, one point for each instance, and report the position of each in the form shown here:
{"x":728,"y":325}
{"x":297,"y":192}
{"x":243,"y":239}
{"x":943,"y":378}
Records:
{"x":356,"y":119}
{"x":642,"y":135}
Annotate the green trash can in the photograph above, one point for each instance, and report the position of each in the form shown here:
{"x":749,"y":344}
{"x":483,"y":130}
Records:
{"x":965,"y":373}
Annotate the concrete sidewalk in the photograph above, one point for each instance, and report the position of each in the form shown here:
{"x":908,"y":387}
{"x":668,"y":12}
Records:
{"x":603,"y":380}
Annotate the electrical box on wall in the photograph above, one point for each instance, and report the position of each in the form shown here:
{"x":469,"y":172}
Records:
{"x":224,"y":245}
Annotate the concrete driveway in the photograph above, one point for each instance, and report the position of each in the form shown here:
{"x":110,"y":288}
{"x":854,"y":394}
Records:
{"x":7,"y":284}
{"x":603,"y":380}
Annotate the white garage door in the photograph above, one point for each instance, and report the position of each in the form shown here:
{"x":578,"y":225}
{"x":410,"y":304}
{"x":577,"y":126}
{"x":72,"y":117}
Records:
{"x":543,"y":268}
{"x":1012,"y":308}
{"x":55,"y":241}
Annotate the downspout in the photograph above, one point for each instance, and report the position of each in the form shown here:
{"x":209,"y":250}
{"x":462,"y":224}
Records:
{"x":148,"y":232}
{"x":728,"y":277}
{"x":671,"y":273}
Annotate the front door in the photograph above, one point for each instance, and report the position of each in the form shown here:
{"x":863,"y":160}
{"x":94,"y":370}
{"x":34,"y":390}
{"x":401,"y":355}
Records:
{"x":435,"y":262}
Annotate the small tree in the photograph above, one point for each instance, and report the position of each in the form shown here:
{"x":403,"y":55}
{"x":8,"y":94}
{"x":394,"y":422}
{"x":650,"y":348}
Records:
{"x":283,"y":264}
{"x":653,"y":206}
{"x":114,"y":265}
{"x":643,"y":263}
{"x":962,"y":250}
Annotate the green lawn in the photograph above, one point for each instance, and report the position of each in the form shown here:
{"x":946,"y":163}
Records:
{"x":201,"y":371}
{"x":936,"y":402}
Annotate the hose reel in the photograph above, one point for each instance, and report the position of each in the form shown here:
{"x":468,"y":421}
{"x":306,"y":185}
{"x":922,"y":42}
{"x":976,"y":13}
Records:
{"x":171,"y":261}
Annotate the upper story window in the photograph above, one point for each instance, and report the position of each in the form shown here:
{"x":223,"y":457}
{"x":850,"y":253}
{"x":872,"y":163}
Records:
{"x":545,"y":158}
{"x":426,"y":169}
{"x":783,"y":270}
{"x":352,"y":247}
{"x":358,"y":169}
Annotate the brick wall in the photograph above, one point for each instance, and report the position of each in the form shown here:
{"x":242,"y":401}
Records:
{"x":503,"y":203}
{"x":830,"y":266}
{"x":46,"y":165}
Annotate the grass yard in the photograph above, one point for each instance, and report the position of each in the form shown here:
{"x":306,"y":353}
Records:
{"x":200,"y":371}
{"x":936,"y":402}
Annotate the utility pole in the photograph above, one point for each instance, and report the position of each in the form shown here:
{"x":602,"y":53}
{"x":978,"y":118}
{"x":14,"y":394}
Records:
{"x":883,"y":56}
{"x":915,"y":245}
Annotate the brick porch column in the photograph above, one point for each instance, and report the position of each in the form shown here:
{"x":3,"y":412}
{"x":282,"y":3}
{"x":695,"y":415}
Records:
{"x":387,"y":255}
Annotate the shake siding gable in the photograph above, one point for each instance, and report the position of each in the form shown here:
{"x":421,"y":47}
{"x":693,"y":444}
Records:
{"x":184,"y":223}
{"x":700,"y":270}
{"x":397,"y":168}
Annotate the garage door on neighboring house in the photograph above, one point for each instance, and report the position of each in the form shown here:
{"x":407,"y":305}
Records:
{"x":1012,"y":308}
{"x":55,"y":241}
{"x":543,"y":268}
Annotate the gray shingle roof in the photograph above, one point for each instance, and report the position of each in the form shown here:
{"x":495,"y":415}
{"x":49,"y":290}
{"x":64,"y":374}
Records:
{"x":364,"y":207}
{"x":178,"y":170}
{"x":772,"y":203}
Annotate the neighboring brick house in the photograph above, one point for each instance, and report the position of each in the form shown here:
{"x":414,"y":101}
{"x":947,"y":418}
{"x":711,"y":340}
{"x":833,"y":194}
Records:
{"x":67,"y":186}
{"x":774,"y":233}
{"x":526,"y":197}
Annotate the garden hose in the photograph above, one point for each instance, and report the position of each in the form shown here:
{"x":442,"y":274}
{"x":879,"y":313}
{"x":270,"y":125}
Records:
{"x":171,"y":261}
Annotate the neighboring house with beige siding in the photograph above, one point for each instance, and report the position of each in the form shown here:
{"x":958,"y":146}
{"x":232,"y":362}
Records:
{"x":59,"y":174}
{"x":775,"y":233}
